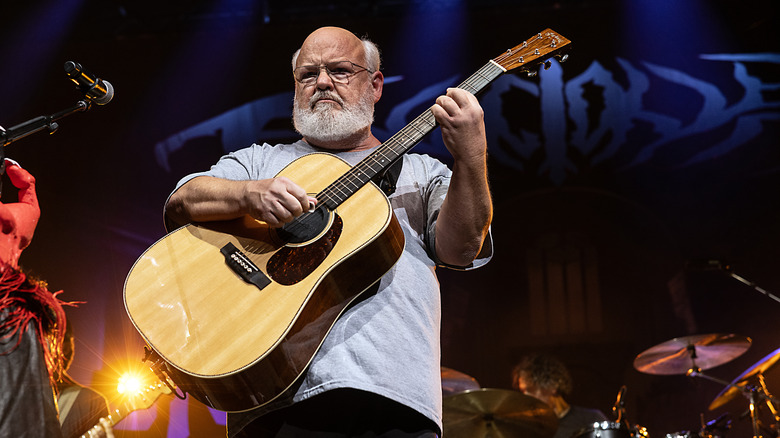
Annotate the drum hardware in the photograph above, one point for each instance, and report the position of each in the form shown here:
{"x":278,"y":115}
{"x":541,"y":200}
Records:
{"x":619,"y":408}
{"x":682,"y":434}
{"x":454,"y":382}
{"x":757,"y":393}
{"x":757,"y":370}
{"x":485,"y":412}
{"x":690,"y":355}
{"x":697,"y":352}
{"x":715,"y":428}
{"x":617,"y":429}
{"x":609,"y":429}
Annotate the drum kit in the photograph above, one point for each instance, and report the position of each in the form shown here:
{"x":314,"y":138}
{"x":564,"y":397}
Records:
{"x":691,"y":355}
{"x":474,"y":412}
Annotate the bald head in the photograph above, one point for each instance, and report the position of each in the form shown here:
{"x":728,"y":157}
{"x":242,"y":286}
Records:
{"x":336,"y":41}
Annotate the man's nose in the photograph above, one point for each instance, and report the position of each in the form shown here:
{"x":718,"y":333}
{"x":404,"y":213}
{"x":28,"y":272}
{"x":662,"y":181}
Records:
{"x":324,"y":82}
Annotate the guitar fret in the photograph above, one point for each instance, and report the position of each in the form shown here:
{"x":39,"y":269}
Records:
{"x":387,"y":153}
{"x":339,"y":193}
{"x":353,"y":183}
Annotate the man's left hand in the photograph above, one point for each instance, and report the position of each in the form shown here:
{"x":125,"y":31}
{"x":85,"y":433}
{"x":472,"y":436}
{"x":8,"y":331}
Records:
{"x":462,"y":124}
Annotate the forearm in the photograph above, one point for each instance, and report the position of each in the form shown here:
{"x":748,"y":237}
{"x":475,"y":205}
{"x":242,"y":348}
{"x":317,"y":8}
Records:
{"x":206,"y":198}
{"x":275,"y":201}
{"x":465,"y":215}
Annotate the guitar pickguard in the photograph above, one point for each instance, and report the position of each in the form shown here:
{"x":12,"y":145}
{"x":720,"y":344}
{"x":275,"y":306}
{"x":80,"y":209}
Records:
{"x":291,"y":264}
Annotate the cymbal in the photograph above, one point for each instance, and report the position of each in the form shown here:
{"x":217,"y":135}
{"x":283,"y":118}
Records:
{"x":454,"y":382}
{"x":759,"y":367}
{"x":679,"y":355}
{"x":497,"y":413}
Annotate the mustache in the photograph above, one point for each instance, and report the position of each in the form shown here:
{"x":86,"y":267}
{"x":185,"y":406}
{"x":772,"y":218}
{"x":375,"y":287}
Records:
{"x":324,"y":94}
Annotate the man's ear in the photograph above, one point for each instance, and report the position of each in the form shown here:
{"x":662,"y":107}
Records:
{"x":377,"y":83}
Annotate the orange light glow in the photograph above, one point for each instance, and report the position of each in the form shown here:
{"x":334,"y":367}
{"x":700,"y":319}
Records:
{"x":130,"y":384}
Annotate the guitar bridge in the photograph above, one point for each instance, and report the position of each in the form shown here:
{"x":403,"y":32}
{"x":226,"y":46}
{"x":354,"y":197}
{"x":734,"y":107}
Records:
{"x":244,"y":267}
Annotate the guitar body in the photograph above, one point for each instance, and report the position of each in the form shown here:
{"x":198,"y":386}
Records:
{"x":235,"y":345}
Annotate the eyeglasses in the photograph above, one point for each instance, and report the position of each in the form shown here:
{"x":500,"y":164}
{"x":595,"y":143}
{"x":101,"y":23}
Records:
{"x":338,"y":71}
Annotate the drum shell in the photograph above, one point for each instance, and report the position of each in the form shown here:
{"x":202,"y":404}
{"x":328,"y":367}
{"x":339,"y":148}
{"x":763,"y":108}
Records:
{"x":610,"y":429}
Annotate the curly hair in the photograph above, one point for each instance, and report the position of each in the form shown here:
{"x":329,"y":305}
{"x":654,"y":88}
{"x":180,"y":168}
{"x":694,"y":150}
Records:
{"x":543,"y":371}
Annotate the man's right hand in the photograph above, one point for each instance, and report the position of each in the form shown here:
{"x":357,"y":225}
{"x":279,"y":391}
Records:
{"x":276,"y":201}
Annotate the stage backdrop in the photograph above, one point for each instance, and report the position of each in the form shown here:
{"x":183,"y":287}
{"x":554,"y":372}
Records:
{"x":625,"y":180}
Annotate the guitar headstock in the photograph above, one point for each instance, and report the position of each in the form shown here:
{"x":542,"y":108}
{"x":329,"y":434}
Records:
{"x":536,"y":50}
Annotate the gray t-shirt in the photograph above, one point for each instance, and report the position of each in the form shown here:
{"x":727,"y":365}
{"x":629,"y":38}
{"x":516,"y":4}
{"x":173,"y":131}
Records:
{"x":388,"y":343}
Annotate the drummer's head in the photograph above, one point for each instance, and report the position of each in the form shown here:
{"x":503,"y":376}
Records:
{"x":542,"y":377}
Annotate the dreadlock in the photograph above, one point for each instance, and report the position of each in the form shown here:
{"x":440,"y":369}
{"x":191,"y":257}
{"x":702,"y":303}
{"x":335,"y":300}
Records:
{"x":25,"y":300}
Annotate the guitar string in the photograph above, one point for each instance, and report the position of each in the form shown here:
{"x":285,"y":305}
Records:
{"x":403,"y":140}
{"x":359,"y":175}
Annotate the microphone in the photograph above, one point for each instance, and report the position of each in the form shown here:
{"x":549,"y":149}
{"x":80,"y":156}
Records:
{"x":707,"y":265}
{"x":99,"y":91}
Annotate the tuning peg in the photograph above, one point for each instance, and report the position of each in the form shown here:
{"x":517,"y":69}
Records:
{"x":531,"y":73}
{"x":564,"y":58}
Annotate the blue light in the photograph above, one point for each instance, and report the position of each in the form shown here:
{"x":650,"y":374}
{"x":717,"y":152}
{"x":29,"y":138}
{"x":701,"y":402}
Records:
{"x":30,"y":43}
{"x":669,"y":30}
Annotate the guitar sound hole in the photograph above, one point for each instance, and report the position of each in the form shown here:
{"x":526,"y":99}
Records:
{"x":292,"y":264}
{"x":306,"y":227}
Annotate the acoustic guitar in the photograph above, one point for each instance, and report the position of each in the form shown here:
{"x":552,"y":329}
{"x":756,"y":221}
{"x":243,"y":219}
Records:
{"x":235,"y":310}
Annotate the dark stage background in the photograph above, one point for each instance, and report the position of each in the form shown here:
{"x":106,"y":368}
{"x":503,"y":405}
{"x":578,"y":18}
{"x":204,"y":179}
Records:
{"x":654,"y":146}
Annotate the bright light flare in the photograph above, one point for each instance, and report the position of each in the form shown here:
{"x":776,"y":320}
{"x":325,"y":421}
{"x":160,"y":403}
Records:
{"x":129,"y":384}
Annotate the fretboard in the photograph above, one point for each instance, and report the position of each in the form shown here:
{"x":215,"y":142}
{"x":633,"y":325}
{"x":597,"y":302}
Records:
{"x":397,"y":145}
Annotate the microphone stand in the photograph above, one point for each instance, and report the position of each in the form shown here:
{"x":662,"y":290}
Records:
{"x":40,"y":123}
{"x":34,"y":125}
{"x":753,"y":285}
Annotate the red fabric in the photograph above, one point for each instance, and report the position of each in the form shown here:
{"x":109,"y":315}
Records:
{"x":23,"y":301}
{"x":18,"y":219}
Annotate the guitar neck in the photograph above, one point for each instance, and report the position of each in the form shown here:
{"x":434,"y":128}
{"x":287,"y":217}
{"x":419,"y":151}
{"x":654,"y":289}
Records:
{"x":143,"y":399}
{"x":114,"y":417}
{"x":411,"y":134}
{"x":523,"y":56}
{"x":118,"y":415}
{"x":400,"y":143}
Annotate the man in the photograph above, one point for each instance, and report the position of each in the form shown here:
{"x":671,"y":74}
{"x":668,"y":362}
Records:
{"x":377,"y":372}
{"x":547,"y":379}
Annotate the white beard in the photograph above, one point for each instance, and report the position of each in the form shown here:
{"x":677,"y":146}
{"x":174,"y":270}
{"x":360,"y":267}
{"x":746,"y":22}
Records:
{"x":324,"y":123}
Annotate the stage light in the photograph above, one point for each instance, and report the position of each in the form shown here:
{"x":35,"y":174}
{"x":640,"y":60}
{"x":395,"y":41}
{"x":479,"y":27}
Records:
{"x":129,"y":384}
